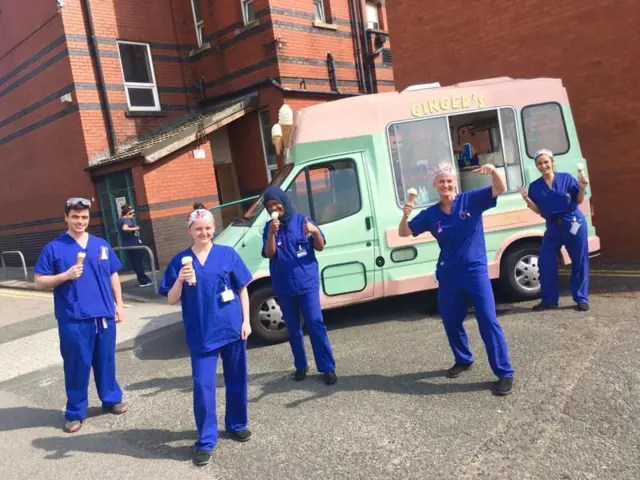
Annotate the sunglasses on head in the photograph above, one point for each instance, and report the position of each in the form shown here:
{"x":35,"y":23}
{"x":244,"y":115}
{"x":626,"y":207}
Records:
{"x":82,"y":201}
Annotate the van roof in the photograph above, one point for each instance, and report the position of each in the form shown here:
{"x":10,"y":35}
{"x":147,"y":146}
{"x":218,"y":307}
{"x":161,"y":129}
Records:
{"x":371,"y":114}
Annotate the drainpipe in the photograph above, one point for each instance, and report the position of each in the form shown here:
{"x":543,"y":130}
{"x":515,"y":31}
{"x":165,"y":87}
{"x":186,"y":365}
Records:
{"x":102,"y":88}
{"x":331,"y":64}
{"x":355,"y":33}
{"x":366,"y":53}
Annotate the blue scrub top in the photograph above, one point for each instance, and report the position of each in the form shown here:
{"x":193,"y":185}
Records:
{"x":294,"y":268}
{"x":91,"y":295}
{"x":209,"y":321}
{"x":128,"y":238}
{"x":557,"y":202}
{"x":460,"y":234}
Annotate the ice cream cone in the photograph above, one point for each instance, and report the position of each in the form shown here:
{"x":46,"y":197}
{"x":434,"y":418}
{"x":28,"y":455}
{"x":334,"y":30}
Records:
{"x":286,"y":132}
{"x":274,"y":215}
{"x":580,"y":167}
{"x":276,"y":136}
{"x":189,"y":261}
{"x":80,"y":259}
{"x":412,"y":193}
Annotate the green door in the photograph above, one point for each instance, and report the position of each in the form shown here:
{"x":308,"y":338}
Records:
{"x":115,"y":190}
{"x":339,"y":203}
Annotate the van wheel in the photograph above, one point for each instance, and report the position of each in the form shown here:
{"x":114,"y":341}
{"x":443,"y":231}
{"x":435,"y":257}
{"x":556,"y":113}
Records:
{"x":519,"y":272}
{"x":266,"y":320}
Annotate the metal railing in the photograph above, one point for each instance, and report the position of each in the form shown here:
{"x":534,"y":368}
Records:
{"x":24,"y":264}
{"x":151,"y":257}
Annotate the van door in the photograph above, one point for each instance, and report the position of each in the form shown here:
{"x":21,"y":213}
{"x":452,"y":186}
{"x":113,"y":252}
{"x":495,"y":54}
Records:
{"x":335,"y":194}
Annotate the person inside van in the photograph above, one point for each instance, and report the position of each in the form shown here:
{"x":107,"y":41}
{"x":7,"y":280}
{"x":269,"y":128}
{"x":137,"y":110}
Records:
{"x":556,"y":197}
{"x":210,"y":281}
{"x":456,"y":223}
{"x":289,"y":242}
{"x":130,"y":236}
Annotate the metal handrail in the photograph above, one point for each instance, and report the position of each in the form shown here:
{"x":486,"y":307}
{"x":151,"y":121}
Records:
{"x":151,"y":257}
{"x":24,"y":264}
{"x":242,"y":200}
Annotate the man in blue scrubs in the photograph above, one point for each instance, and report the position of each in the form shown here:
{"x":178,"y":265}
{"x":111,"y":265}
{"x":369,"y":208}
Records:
{"x":556,"y":197}
{"x":456,"y":223}
{"x":82,"y":270}
{"x":210,"y":282}
{"x":290,"y":242}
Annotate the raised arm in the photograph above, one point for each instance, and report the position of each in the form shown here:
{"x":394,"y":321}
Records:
{"x":530,"y":203}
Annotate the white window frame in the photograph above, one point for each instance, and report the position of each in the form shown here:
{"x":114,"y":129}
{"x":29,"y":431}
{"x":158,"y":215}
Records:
{"x":323,"y":13}
{"x":149,"y":86}
{"x":372,"y":5}
{"x":245,"y":11}
{"x":270,"y":168}
{"x":198,"y":23}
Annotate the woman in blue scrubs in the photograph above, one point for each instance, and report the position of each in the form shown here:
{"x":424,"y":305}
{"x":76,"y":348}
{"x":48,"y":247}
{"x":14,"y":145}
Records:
{"x":290,"y":242}
{"x":456,"y":223}
{"x":556,"y":197}
{"x":211,"y":282}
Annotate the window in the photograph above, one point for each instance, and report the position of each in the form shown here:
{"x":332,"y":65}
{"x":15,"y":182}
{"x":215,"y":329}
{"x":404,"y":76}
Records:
{"x":467,"y":140}
{"x":139,"y":78}
{"x":197,"y":18}
{"x":248,"y":12}
{"x":268,"y":147}
{"x":318,"y":11}
{"x":544,"y":127}
{"x":334,"y":192}
{"x":372,"y":15}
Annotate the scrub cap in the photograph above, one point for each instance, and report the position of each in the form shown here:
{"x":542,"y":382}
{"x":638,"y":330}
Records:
{"x":198,"y":214}
{"x":544,"y":151}
{"x":442,"y":169}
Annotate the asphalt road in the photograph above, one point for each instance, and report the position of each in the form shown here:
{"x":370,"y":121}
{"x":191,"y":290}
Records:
{"x":574,"y":413}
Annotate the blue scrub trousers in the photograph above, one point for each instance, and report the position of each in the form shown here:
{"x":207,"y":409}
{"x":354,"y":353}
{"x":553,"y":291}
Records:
{"x":578,"y":249}
{"x":203,"y":370}
{"x":85,"y":344}
{"x":453,"y":291}
{"x":309,"y":304}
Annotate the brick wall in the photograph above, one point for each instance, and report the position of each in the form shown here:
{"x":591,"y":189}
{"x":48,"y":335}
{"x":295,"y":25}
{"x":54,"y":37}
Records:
{"x":592,"y":46}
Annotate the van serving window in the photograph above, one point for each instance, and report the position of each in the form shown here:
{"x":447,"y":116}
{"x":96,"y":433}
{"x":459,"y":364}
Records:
{"x":544,"y":127}
{"x":326,"y":192}
{"x":466,"y":140}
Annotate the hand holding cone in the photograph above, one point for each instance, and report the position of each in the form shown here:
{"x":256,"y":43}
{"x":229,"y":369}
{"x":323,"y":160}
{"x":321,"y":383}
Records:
{"x":188,"y":262}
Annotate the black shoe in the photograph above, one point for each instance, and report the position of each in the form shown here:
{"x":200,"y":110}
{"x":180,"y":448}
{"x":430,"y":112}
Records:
{"x":300,"y":374}
{"x":202,"y":457}
{"x":241,"y":435}
{"x":545,"y":306}
{"x":504,"y":386}
{"x":330,"y":378}
{"x":582,"y":307}
{"x":458,"y":369}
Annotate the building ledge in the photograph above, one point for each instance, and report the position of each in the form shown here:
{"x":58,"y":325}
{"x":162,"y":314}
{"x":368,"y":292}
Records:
{"x":129,"y":113}
{"x":248,"y":27}
{"x":197,"y":51}
{"x":325,"y":26}
{"x":378,"y":31}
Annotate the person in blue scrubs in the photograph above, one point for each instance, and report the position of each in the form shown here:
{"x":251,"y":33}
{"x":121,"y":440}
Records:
{"x":556,"y":197}
{"x":82,"y":270}
{"x":129,"y":235}
{"x":462,"y":273}
{"x":212,"y":289}
{"x":290,"y":242}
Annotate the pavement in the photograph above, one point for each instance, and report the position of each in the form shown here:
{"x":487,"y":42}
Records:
{"x":574,"y":413}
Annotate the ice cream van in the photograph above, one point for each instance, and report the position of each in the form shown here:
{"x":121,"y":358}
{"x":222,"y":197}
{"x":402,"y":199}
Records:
{"x":349,"y":163}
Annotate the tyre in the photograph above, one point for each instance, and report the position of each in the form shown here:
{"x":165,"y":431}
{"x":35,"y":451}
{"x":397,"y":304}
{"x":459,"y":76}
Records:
{"x":519,"y":272}
{"x":267,"y":323}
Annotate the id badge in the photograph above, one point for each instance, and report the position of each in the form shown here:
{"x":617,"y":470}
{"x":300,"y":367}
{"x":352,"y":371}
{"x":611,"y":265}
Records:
{"x":301,"y":253}
{"x":226,"y":295}
{"x":575,"y":226}
{"x":104,"y":253}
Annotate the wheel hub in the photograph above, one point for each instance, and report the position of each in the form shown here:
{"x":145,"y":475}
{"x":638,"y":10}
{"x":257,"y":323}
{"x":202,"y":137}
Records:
{"x":527,"y":273}
{"x":270,"y":315}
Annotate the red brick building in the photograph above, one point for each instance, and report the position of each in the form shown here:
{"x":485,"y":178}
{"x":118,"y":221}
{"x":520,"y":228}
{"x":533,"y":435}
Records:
{"x":593,"y":46}
{"x":159,"y":103}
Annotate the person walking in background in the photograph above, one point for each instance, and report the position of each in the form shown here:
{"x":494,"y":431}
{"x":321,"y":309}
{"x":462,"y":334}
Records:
{"x":130,"y":237}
